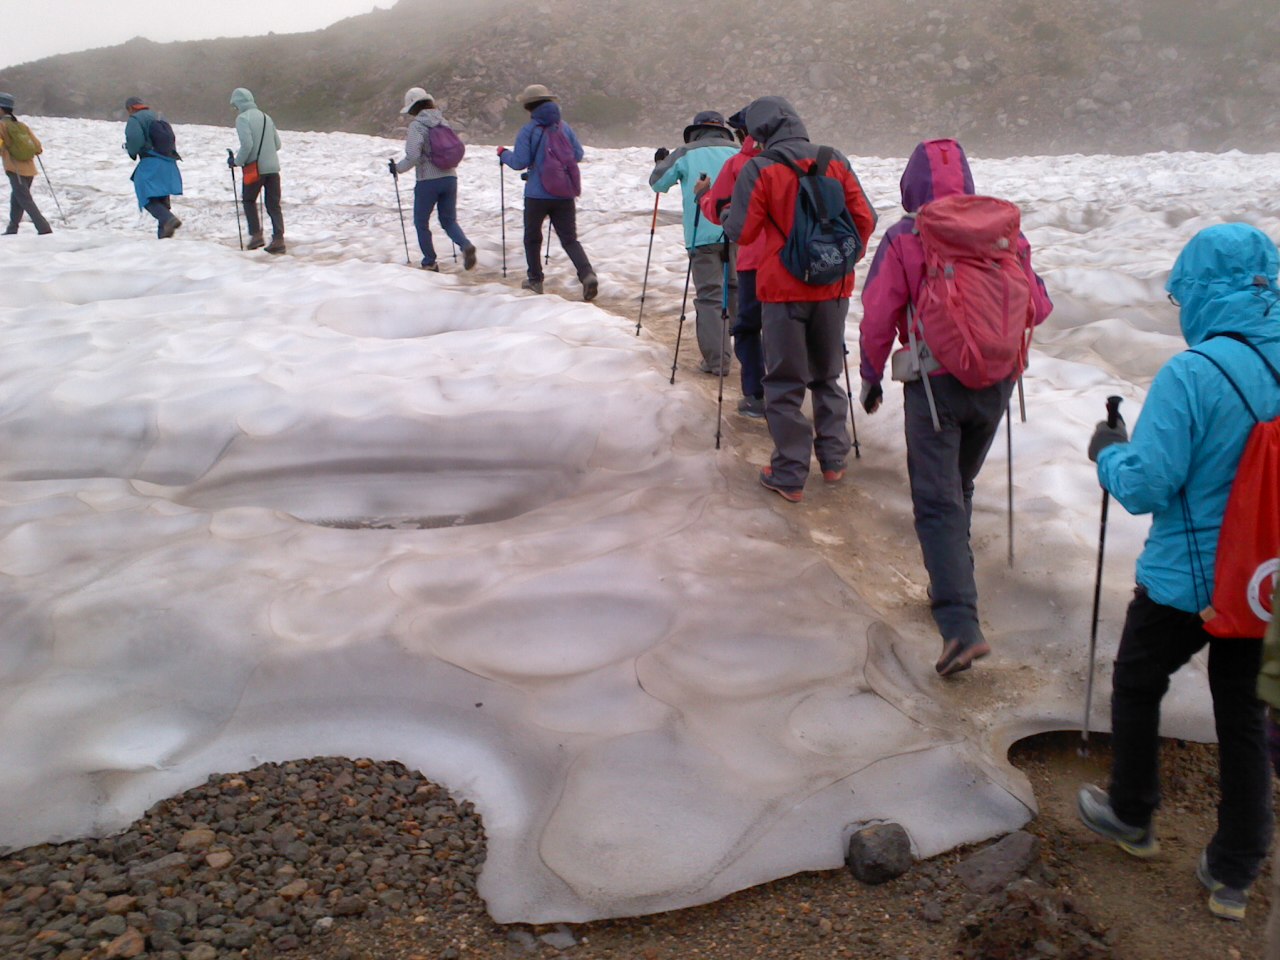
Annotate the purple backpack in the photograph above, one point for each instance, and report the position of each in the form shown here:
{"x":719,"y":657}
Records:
{"x":444,"y":149}
{"x":559,"y":170}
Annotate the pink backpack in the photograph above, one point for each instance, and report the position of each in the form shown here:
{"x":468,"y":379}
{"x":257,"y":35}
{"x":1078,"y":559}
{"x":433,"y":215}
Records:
{"x":559,"y":170}
{"x":444,"y":149}
{"x":974,"y":306}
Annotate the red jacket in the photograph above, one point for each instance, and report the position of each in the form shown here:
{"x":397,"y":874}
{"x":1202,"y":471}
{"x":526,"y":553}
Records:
{"x":713,"y":202}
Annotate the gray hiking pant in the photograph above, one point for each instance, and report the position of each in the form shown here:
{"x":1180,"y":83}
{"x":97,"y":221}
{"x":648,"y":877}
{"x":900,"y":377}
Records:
{"x":804,"y":347}
{"x":942,"y":466}
{"x":708,"y":304}
{"x":21,"y":202}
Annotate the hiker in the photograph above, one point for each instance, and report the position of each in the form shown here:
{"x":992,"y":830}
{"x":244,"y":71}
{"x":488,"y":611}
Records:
{"x":545,"y":129}
{"x":156,"y":178}
{"x":1179,"y":467}
{"x":708,"y":144}
{"x":436,"y":187}
{"x":1269,"y":692}
{"x":260,"y":158}
{"x":18,"y":149}
{"x":803,"y":324}
{"x":943,"y":460}
{"x":714,"y":201}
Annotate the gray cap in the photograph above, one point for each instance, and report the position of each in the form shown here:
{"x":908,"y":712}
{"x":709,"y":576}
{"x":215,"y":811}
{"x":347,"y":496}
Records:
{"x":134,"y":102}
{"x":7,"y":101}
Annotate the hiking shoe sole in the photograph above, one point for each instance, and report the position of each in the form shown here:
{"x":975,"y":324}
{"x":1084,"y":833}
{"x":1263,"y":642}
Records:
{"x":469,"y":257}
{"x":790,"y":494}
{"x":1094,"y":807}
{"x":957,"y":658}
{"x":1226,"y":903}
{"x":833,"y":474}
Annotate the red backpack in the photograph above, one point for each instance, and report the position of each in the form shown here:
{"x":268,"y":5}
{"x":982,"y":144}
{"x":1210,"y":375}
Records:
{"x":1245,"y":572}
{"x":974,"y":306}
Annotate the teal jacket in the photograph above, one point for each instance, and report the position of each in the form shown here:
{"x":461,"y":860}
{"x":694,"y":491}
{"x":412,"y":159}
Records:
{"x":1193,"y":427}
{"x":257,"y":131}
{"x":707,"y":152}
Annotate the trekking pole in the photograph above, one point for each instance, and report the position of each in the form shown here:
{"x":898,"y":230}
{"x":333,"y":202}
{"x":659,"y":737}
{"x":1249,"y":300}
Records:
{"x":1008,"y":433}
{"x":502,"y":200}
{"x":455,"y":250}
{"x":399,"y":206}
{"x":848,"y":389}
{"x":1113,"y":416}
{"x":235,"y":197}
{"x":547,"y":257}
{"x":684,"y":302}
{"x":724,"y":340}
{"x":49,"y":184}
{"x":653,"y":226}
{"x":1022,"y":400}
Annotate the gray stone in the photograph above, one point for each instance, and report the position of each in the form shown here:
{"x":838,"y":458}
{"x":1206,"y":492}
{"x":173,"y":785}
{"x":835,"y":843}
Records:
{"x":522,"y":940}
{"x":998,"y":865}
{"x":561,"y":938}
{"x":170,"y":867}
{"x":879,"y":853}
{"x":111,"y":925}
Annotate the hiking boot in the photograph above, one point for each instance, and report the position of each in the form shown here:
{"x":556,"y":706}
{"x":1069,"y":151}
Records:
{"x":833,"y":472}
{"x":956,"y":656}
{"x":469,"y":257}
{"x":276,"y":245}
{"x":533,"y":285}
{"x":169,"y":228}
{"x":790,"y":494}
{"x":1226,"y":902}
{"x":590,"y":287}
{"x":1095,"y":811}
{"x":752,"y":407}
{"x":255,"y":242}
{"x":433,"y":267}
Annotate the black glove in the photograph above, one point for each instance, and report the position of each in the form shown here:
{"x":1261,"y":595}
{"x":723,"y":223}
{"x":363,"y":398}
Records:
{"x":1104,"y":436}
{"x":872,"y":394}
{"x":391,"y":165}
{"x":231,"y":159}
{"x":661,"y":154}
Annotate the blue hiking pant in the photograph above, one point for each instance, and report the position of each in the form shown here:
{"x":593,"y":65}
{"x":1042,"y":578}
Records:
{"x":942,"y":466}
{"x":747,"y":344}
{"x":440,"y":195}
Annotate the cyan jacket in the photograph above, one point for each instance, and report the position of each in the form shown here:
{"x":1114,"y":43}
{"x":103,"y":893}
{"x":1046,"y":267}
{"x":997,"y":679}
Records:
{"x":531,"y":147}
{"x":1193,"y":426}
{"x":259,"y":139}
{"x":706,"y":153}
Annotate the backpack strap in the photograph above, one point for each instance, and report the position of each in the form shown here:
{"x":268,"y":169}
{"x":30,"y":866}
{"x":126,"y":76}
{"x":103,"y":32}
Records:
{"x":1240,"y":338}
{"x":819,"y":169}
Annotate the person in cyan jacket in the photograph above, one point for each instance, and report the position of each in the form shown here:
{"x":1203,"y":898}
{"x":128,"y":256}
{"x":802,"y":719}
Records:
{"x":529,"y":152}
{"x":259,"y":143}
{"x":803,"y":323}
{"x":156,"y":178}
{"x":1179,"y":467}
{"x":942,"y":465}
{"x":708,"y":145}
{"x":21,"y":173}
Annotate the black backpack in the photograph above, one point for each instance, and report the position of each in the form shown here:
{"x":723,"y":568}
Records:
{"x":823,"y":245}
{"x":163,"y":142}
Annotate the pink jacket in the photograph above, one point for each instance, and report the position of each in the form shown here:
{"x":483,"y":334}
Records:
{"x":717,"y":198}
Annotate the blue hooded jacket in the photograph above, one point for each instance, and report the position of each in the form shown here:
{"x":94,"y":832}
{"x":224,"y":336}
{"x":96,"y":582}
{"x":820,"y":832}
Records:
{"x":531,"y":147}
{"x":1193,"y":427}
{"x":154,"y":176}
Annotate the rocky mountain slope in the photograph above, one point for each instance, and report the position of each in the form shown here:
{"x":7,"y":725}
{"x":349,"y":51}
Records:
{"x":874,"y":76}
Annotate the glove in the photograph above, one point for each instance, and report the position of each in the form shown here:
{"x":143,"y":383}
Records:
{"x":231,"y":159}
{"x":1104,"y":436}
{"x":701,"y":186}
{"x":661,"y":154}
{"x":872,"y":394}
{"x":391,"y":165}
{"x":501,"y":150}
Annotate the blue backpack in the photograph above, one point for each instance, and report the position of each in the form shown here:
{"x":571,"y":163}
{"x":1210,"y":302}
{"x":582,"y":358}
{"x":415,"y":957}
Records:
{"x":823,"y":245}
{"x":444,"y":149}
{"x":559,"y":171}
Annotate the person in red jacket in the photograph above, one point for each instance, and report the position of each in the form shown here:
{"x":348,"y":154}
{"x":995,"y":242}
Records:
{"x":803,"y":333}
{"x":714,"y":201}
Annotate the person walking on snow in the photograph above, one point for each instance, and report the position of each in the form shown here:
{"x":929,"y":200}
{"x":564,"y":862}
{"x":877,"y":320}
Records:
{"x":260,"y":144}
{"x":16,"y":137}
{"x":803,"y":333}
{"x":156,"y":178}
{"x":942,"y":464}
{"x":434,"y":189}
{"x":709,"y":144}
{"x":529,"y":153}
{"x":1179,"y":467}
{"x":714,"y":202}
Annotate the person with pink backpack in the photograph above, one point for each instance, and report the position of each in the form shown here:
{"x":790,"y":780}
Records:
{"x":952,"y":283}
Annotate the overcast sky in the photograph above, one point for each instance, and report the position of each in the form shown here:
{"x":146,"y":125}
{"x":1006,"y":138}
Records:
{"x":41,"y":28}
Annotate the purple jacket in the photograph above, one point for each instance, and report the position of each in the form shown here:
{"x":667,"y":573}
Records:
{"x":937,"y":168}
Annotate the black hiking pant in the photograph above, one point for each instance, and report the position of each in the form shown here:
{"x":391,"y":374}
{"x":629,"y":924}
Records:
{"x":1157,"y":640}
{"x":564,"y":219}
{"x":21,"y":201}
{"x":268,"y":183}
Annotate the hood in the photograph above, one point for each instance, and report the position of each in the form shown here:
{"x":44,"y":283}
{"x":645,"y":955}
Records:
{"x":773,"y":119}
{"x":937,"y":168}
{"x":429,"y":118}
{"x":749,"y":147}
{"x":546,"y":114}
{"x":242,"y":100}
{"x":1225,"y":281}
{"x":720,"y":136}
